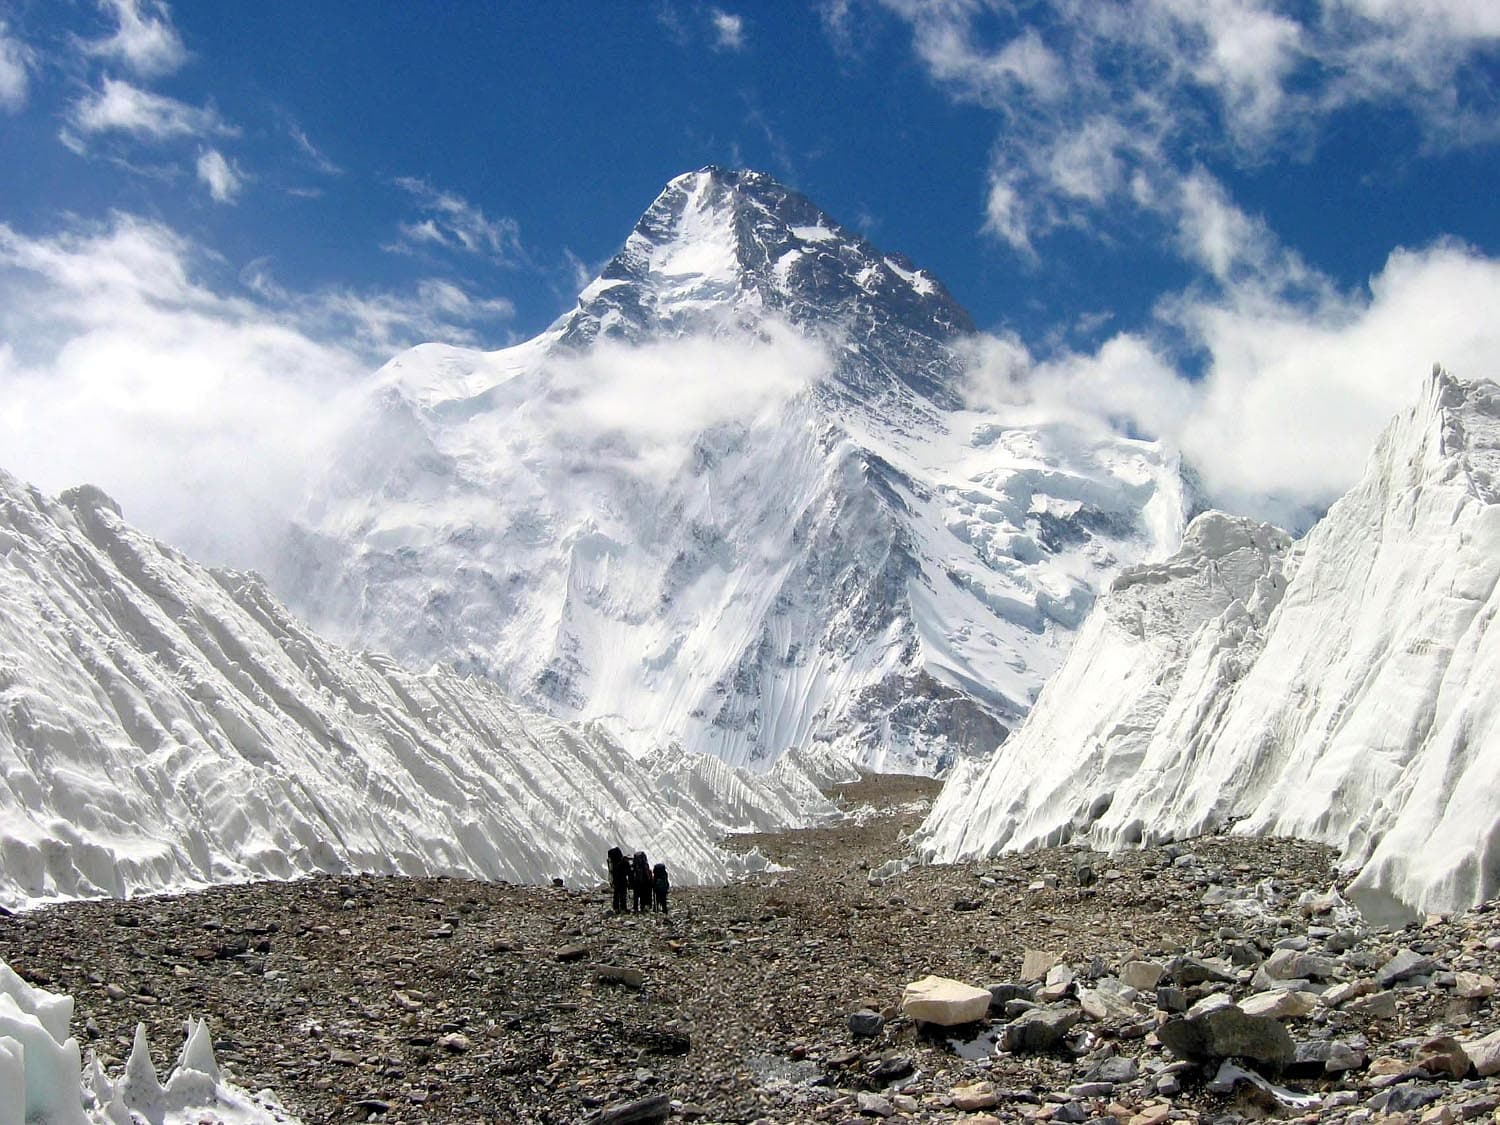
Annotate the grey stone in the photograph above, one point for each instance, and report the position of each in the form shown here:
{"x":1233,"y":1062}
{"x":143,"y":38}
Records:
{"x":1404,"y":1098}
{"x":1188,"y":971}
{"x":1170,"y":999}
{"x":865,"y":1024}
{"x":1485,"y":1054}
{"x":643,"y":1111}
{"x":1102,"y":1004}
{"x":1121,"y":1068}
{"x":1377,"y":1006}
{"x":1217,"y":1029}
{"x":1002,"y":994}
{"x":873,"y":1105}
{"x":1293,"y":964}
{"x":1041,"y":1029}
{"x":1405,"y":965}
{"x":1144,"y":975}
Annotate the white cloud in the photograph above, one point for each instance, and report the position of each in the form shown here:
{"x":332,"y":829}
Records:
{"x":144,"y":40}
{"x":319,"y":161}
{"x":729,"y":30}
{"x":121,"y":365}
{"x":120,"y":107}
{"x":1106,"y":109}
{"x":1295,"y":390}
{"x":1214,"y":232}
{"x":608,"y":400}
{"x":15,"y":71}
{"x":456,"y":224}
{"x":222,"y":179}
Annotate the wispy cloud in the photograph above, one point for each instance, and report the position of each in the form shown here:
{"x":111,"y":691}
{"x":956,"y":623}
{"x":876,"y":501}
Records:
{"x":222,"y":178}
{"x":1104,"y":110}
{"x":119,"y":107}
{"x":128,"y":360}
{"x":729,"y":30}
{"x":314,"y":154}
{"x":144,"y":41}
{"x":16,"y":60}
{"x":452,"y":223}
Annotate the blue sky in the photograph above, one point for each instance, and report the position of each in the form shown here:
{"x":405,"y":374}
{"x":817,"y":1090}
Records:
{"x":1241,"y":225}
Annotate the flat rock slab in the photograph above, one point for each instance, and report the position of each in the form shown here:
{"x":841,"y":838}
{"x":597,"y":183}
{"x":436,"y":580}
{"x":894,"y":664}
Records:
{"x":945,"y":1002}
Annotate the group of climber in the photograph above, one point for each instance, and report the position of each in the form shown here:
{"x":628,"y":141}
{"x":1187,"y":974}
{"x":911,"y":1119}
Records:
{"x":647,"y":885}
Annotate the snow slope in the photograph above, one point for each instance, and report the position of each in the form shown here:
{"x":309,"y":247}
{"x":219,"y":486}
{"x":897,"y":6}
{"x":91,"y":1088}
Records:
{"x":1341,"y":691}
{"x":731,"y":502}
{"x":164,"y":726}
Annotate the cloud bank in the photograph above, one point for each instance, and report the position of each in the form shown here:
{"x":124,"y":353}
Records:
{"x":203,"y":404}
{"x":1295,"y":391}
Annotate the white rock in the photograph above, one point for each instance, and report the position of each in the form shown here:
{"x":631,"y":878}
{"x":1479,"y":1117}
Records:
{"x":1485,"y":1054}
{"x":944,"y":1002}
{"x":1279,"y":1004}
{"x":1144,"y":975}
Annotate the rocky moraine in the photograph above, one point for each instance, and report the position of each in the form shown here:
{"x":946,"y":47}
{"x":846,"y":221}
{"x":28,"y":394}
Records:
{"x":1214,"y":980}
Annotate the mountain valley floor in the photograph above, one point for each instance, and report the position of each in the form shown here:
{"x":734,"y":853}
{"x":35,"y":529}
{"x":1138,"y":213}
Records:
{"x":438,"y":1000}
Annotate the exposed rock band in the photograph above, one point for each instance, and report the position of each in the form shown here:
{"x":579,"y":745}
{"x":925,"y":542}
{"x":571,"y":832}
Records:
{"x":636,"y":877}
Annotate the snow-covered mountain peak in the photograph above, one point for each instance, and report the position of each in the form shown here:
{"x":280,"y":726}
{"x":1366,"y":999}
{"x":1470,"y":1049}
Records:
{"x":731,"y":501}
{"x":721,"y":250}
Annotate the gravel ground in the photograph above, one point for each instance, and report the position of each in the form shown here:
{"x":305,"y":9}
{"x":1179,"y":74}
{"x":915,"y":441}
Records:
{"x":438,"y":1000}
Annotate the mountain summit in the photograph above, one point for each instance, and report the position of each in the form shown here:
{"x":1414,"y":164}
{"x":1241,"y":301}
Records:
{"x":731,"y":502}
{"x":720,"y":249}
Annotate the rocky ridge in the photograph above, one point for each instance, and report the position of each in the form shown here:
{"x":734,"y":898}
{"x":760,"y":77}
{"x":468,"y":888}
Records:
{"x":1214,"y":980}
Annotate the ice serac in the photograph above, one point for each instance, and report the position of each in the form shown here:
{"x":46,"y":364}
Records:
{"x":732,"y":502}
{"x":1360,"y":711}
{"x":164,"y":726}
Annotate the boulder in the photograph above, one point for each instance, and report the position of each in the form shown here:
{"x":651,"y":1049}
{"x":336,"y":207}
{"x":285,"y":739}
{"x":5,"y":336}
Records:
{"x":1292,"y":964}
{"x":1188,"y":971}
{"x":1141,"y":975}
{"x":1376,"y":1006}
{"x":1102,"y":1004}
{"x":1473,"y":986}
{"x":1036,"y":962}
{"x":1485,"y":1054}
{"x":1405,"y":965}
{"x":1442,"y":1055}
{"x":1041,"y":1029}
{"x":945,"y":1002}
{"x":975,"y":1095}
{"x":1216,"y":1028}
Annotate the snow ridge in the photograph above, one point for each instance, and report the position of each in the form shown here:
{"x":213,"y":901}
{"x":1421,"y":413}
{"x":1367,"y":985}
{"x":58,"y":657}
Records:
{"x":163,"y":726}
{"x":1340,"y":691}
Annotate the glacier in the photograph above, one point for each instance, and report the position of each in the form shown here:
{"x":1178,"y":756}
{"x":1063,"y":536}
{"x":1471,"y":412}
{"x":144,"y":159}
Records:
{"x":1339,"y":689}
{"x":733,"y":502}
{"x":164,"y":726}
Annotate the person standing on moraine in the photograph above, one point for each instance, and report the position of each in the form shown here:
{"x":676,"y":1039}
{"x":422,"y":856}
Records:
{"x":619,"y":878}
